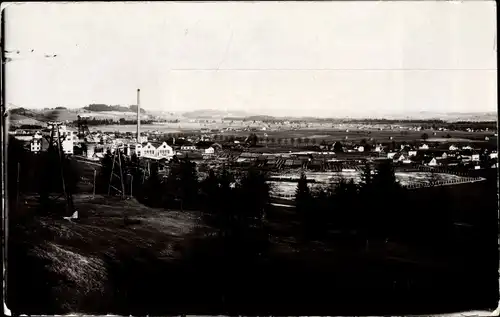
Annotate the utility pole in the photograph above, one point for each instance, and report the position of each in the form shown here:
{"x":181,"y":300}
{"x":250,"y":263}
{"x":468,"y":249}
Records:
{"x":131,"y":185}
{"x":138,"y":116}
{"x":93,"y":188}
{"x":56,"y":146}
{"x":17,"y":190}
{"x":116,"y":154}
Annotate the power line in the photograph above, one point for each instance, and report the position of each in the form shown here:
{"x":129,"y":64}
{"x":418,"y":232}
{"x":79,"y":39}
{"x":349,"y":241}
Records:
{"x":332,"y":69}
{"x":16,"y":55}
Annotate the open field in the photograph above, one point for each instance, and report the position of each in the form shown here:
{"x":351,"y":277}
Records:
{"x":78,"y":252}
{"x":326,"y":133}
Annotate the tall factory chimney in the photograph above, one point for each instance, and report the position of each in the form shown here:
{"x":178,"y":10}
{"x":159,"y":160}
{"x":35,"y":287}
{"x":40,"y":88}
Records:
{"x":138,"y":116}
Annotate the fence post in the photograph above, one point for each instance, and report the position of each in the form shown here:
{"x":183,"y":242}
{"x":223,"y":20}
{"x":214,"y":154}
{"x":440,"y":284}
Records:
{"x":93,"y":187}
{"x":17,"y":184}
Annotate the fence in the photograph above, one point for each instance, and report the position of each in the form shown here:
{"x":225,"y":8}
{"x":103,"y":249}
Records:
{"x":443,"y":170}
{"x":284,"y":196}
{"x":464,"y":180}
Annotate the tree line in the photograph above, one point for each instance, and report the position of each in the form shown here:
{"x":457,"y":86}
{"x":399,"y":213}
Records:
{"x":39,"y":174}
{"x":234,"y":205}
{"x":104,"y":107}
{"x":376,"y":209}
{"x":95,"y":122}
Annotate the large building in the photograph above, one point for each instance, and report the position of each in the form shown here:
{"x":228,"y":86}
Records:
{"x":148,"y":150}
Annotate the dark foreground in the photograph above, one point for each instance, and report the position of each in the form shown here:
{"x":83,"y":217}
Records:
{"x":170,"y":263}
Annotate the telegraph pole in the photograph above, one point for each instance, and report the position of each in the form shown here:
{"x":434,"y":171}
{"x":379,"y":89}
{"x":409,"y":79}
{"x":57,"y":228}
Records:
{"x":17,"y":188}
{"x":131,"y":185}
{"x":117,"y":157}
{"x":93,"y":188}
{"x":138,"y":116}
{"x":55,"y":147}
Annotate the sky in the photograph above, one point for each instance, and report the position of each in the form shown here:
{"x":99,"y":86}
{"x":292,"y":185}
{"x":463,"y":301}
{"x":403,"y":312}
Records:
{"x":276,"y":58}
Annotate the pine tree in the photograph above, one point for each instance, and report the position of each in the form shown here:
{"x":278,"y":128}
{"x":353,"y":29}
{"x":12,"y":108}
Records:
{"x":189,"y":183}
{"x":210,"y":189}
{"x":303,"y":203}
{"x":102,"y":182}
{"x":302,"y":193}
{"x":366,"y":176}
{"x":386,"y":221}
{"x":253,"y":197}
{"x":337,"y":147}
{"x":154,"y":187}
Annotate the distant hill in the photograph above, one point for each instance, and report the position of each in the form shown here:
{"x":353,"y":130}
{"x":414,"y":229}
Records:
{"x":20,"y":116}
{"x":213,"y":114}
{"x":447,"y":116}
{"x":103,"y":107}
{"x":425,"y":116}
{"x":23,"y":116}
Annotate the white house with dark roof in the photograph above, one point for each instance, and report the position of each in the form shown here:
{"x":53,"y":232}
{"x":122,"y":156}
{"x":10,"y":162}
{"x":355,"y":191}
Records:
{"x":148,"y":150}
{"x":68,"y":143}
{"x":164,"y":150}
{"x":210,"y":150}
{"x":36,"y":145}
{"x":433,"y":162}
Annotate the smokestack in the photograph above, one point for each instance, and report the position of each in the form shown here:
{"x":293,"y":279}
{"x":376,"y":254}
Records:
{"x":138,"y":115}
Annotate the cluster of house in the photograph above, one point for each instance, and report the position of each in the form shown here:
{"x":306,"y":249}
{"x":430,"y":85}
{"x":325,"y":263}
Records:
{"x":156,"y":151}
{"x":452,"y":155}
{"x":354,"y":154}
{"x":69,"y":138}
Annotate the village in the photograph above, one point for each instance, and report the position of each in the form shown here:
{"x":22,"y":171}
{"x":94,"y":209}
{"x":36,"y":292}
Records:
{"x":327,"y":161}
{"x":264,"y":151}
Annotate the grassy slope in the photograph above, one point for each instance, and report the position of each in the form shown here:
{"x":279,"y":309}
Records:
{"x":99,"y":265}
{"x":75,"y":256}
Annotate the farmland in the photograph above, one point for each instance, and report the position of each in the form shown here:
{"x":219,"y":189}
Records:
{"x":317,"y":133}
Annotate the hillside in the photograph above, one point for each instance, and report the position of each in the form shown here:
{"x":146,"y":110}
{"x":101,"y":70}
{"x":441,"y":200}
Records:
{"x":17,"y":120}
{"x":213,"y":114}
{"x":22,"y":116}
{"x":101,"y":111}
{"x":76,"y":262}
{"x":117,"y":108}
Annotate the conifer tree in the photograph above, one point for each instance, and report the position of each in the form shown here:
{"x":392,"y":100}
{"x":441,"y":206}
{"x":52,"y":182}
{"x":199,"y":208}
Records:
{"x":189,"y":184}
{"x":154,"y":187}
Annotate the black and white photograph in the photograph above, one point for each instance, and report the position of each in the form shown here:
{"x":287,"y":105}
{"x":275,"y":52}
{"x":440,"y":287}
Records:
{"x":250,"y":158}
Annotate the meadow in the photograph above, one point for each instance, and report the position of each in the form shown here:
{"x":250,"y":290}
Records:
{"x":317,"y":133}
